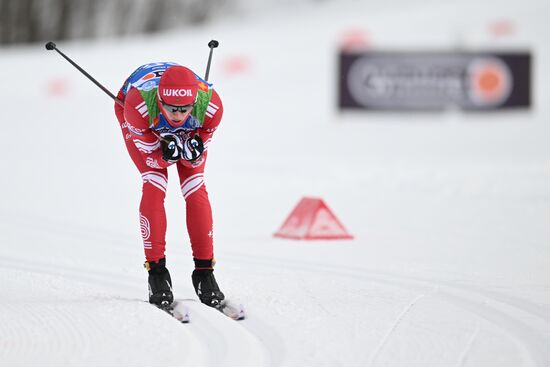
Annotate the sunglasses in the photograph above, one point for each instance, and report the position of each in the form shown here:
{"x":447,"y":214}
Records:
{"x":174,"y":109}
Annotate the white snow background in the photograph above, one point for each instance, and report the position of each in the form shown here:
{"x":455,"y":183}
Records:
{"x":450,"y":265}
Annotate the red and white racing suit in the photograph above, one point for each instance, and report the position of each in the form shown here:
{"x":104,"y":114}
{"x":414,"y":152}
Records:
{"x":144,"y":148}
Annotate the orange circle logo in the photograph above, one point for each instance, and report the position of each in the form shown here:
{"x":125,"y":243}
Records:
{"x":490,"y":81}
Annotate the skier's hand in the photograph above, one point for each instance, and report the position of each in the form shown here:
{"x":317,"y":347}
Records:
{"x":192,"y":148}
{"x":172,"y":148}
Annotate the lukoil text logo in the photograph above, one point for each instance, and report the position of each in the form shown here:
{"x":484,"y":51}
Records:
{"x":177,"y":93}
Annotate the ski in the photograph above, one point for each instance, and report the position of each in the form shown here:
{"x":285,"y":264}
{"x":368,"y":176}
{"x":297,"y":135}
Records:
{"x":235,"y":312}
{"x":177,"y":310}
{"x":181,"y":313}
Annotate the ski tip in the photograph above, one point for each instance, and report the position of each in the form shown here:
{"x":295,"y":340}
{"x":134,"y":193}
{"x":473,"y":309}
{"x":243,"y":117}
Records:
{"x":242,"y":314}
{"x":181,"y":312}
{"x":185,"y":319}
{"x":235,"y":312}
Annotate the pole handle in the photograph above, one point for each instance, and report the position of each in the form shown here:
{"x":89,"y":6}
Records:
{"x":212,"y":45}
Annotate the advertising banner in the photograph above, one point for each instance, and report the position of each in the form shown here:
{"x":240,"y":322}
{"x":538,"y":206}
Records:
{"x":394,"y":81}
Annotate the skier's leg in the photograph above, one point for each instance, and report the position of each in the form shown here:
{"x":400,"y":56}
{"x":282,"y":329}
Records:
{"x":152,"y":215}
{"x":200,"y":229}
{"x":152,"y":218}
{"x":198,"y":214}
{"x":153,"y":231}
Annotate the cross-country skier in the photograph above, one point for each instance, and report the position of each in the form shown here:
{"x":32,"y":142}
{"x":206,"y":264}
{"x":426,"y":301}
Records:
{"x":168,"y":118}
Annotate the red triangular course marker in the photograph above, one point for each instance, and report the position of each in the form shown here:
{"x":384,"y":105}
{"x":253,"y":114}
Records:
{"x":312,"y":219}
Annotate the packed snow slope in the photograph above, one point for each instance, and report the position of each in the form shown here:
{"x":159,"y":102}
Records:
{"x":450,"y":265}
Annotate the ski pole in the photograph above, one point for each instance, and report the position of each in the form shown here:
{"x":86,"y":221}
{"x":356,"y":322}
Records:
{"x":212,"y":44}
{"x":51,"y":46}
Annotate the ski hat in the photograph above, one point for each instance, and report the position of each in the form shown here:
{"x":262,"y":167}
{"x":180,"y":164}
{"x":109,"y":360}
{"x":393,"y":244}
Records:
{"x":178,"y":86}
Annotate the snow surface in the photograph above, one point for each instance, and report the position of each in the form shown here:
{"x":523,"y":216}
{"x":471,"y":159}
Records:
{"x":450,"y":265}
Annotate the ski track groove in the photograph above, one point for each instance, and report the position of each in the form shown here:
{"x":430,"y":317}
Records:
{"x":229,"y":343}
{"x":224,"y":342}
{"x":469,"y":344}
{"x":67,"y":332}
{"x":504,"y":312}
{"x":206,"y":332}
{"x":272,"y":341}
{"x":393,"y":327}
{"x":77,"y":274}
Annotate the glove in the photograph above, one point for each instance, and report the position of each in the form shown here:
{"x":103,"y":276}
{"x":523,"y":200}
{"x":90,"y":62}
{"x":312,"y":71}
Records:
{"x":172,"y":148}
{"x":192,"y":148}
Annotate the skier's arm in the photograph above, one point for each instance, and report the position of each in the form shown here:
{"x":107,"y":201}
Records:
{"x":213,"y":117}
{"x":145,"y":140}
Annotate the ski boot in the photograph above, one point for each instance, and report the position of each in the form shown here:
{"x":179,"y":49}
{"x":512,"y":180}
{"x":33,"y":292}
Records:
{"x":160,"y":283}
{"x":207,"y":288}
